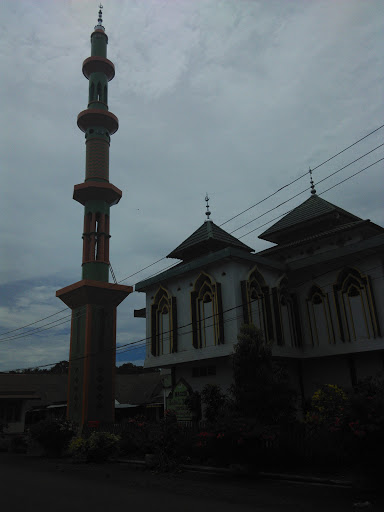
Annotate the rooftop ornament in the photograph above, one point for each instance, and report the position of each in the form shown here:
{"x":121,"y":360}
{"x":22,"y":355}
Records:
{"x":100,"y":19}
{"x":207,"y":213}
{"x":313,"y":190}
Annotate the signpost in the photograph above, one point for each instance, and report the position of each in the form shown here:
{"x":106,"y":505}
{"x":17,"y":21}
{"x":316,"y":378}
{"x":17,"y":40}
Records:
{"x":176,"y":401}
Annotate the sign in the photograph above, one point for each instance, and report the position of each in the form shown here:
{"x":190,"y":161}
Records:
{"x":176,"y":401}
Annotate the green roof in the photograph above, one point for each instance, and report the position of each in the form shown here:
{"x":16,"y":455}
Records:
{"x":207,"y":238}
{"x":313,"y":209}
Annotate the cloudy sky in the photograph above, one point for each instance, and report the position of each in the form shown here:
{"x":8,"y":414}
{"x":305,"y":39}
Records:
{"x":236,"y":98}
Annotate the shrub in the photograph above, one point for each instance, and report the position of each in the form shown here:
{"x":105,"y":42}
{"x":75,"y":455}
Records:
{"x":260,"y":386}
{"x":99,"y":447}
{"x":78,"y":449}
{"x":18,"y":444}
{"x":53,"y":435}
{"x":166,"y":441}
{"x":328,"y":408}
{"x":215,"y":402}
{"x":135,"y":436}
{"x":102,"y":446}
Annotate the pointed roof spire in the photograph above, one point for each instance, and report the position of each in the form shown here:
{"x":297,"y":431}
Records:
{"x":100,"y":19}
{"x":207,"y":213}
{"x":313,"y":190}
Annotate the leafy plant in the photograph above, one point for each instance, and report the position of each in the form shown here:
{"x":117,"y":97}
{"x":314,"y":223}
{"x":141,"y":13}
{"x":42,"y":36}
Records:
{"x":328,"y":408}
{"x":260,"y":386}
{"x":214,"y":401}
{"x":99,"y":447}
{"x":53,"y":435}
{"x":166,"y":440}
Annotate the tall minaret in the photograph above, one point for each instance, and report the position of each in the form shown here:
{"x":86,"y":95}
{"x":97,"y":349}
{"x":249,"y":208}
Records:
{"x":91,"y":380}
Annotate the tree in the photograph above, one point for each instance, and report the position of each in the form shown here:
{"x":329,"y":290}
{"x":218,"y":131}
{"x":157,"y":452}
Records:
{"x":260,"y":386}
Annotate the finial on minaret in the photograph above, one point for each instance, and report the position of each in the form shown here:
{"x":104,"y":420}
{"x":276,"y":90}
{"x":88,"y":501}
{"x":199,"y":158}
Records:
{"x":100,"y":19}
{"x":313,"y":190}
{"x":207,"y":213}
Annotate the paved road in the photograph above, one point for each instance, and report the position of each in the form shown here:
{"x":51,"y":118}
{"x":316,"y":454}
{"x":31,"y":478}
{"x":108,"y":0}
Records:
{"x":31,"y":484}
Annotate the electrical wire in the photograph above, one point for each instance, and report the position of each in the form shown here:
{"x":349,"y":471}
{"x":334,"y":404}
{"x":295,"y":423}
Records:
{"x":144,"y":340}
{"x":321,"y":193}
{"x":302,"y":176}
{"x":305,"y":190}
{"x":59,"y":322}
{"x":271,"y":195}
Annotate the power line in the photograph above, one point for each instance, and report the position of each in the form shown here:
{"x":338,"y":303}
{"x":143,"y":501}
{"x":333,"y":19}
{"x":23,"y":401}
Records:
{"x":256,"y":204}
{"x":59,"y":322}
{"x":33,"y":323}
{"x":302,"y":192}
{"x":321,"y":193}
{"x":144,"y":340}
{"x":302,"y":176}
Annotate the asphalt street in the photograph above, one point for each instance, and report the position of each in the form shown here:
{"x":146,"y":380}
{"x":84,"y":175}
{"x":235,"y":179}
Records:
{"x":36,"y":484}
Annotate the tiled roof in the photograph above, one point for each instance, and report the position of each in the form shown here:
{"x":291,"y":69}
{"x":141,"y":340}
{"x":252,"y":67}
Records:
{"x":316,"y":236}
{"x":207,"y":238}
{"x":311,"y":209}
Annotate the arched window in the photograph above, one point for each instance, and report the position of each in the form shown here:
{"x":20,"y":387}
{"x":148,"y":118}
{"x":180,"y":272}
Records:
{"x":91,"y":92}
{"x":319,"y":317}
{"x":163,"y":323}
{"x":355,"y":306}
{"x":207,"y":313}
{"x":286,"y":314}
{"x":256,"y":303}
{"x":99,"y":92}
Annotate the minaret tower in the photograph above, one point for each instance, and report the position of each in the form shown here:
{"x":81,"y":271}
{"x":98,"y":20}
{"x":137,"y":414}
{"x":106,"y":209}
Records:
{"x":93,"y":300}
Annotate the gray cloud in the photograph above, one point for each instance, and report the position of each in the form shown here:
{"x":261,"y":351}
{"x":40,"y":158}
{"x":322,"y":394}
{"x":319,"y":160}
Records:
{"x":234,"y":98}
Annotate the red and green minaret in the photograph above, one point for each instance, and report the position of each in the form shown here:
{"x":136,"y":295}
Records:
{"x":93,"y":300}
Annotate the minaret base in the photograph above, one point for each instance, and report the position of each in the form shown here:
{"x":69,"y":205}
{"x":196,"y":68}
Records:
{"x":92,"y":359}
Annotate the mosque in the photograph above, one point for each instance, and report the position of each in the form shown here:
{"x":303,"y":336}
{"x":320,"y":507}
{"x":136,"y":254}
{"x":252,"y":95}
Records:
{"x":317,"y":294}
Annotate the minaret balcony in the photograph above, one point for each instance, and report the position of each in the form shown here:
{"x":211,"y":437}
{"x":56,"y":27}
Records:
{"x":97,"y":190}
{"x":97,"y":117}
{"x":98,"y":64}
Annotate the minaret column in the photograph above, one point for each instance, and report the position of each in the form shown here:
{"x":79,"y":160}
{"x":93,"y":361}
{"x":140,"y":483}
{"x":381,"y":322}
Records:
{"x":93,"y":300}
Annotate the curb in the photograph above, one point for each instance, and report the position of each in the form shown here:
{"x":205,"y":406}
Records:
{"x":306,"y":479}
{"x":243,"y":471}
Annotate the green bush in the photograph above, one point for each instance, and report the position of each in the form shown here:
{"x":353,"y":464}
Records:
{"x":99,"y":447}
{"x":53,"y":435}
{"x":135,"y":437}
{"x":78,"y":449}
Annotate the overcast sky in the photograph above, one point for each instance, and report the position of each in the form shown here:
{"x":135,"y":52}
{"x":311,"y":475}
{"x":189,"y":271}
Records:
{"x":231,"y":97}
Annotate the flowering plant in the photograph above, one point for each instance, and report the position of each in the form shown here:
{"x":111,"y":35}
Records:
{"x":328,"y":406}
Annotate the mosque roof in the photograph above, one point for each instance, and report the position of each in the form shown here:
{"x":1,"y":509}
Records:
{"x":312,"y":212}
{"x":207,"y":238}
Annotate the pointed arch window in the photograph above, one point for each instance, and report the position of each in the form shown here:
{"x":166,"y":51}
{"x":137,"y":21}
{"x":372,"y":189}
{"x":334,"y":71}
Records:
{"x":257,"y":304}
{"x":207,"y":313}
{"x":319,"y":317}
{"x":163,"y":323}
{"x":355,"y":306}
{"x":91,"y":92}
{"x":286,"y":313}
{"x":99,"y":92}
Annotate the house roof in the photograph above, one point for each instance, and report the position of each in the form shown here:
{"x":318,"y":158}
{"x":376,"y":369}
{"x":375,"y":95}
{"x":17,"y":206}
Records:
{"x":207,"y":238}
{"x":139,"y":388}
{"x":311,"y":211}
{"x":130,"y":389}
{"x":46,"y":388}
{"x":369,"y":227}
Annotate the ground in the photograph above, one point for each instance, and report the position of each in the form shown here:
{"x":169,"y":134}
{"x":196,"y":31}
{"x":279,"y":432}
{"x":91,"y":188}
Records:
{"x":37,"y":484}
